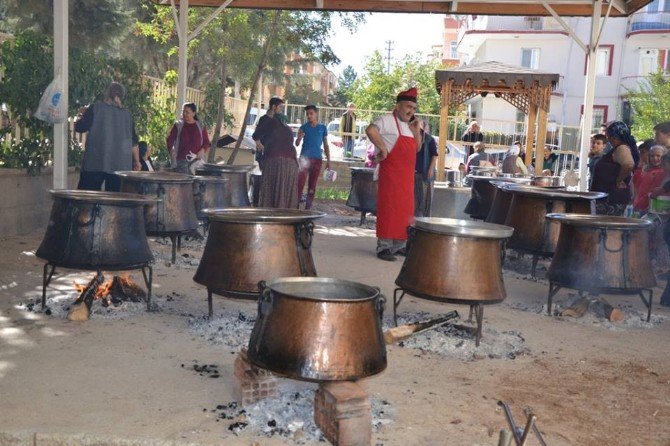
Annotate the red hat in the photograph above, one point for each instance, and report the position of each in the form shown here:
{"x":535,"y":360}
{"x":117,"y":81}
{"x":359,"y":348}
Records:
{"x":407,"y":95}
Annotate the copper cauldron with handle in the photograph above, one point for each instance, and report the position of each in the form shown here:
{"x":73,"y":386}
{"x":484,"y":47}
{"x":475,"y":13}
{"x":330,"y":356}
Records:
{"x":319,"y":329}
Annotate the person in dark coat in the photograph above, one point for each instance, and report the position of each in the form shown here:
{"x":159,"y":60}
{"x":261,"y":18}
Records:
{"x":111,"y":143}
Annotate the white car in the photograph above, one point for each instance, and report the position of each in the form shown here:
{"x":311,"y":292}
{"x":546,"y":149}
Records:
{"x":337,"y":146}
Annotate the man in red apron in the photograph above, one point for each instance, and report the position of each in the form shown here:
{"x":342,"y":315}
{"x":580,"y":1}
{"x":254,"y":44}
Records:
{"x":397,"y":139}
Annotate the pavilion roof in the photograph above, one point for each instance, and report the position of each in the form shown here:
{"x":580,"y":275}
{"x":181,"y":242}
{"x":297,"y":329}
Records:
{"x":620,"y":8}
{"x":494,"y":73}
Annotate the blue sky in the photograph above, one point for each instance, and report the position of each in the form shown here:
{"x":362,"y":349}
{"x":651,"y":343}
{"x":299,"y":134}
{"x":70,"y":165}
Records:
{"x":410,"y":33}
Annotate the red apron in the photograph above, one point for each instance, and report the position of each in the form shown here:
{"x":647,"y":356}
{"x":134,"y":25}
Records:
{"x":395,"y":196}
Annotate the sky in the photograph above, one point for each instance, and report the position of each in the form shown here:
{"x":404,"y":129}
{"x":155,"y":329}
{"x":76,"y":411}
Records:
{"x":410,"y":33}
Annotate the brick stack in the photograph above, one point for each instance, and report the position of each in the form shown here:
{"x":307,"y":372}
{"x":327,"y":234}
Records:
{"x":252,"y":383}
{"x":342,"y":411}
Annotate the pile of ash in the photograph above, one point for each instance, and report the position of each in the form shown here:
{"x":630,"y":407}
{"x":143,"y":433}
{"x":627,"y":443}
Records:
{"x":58,"y":306}
{"x":229,"y":329}
{"x":457,"y":340}
{"x":521,"y":266}
{"x":634,"y":317}
{"x":289,"y":415}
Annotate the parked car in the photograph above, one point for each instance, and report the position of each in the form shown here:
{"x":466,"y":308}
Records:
{"x":252,"y":120}
{"x":337,"y":146}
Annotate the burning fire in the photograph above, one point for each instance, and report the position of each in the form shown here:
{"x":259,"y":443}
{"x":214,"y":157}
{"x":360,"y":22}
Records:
{"x":103,"y":291}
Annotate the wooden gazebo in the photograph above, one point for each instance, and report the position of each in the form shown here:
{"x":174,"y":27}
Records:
{"x":527,"y":90}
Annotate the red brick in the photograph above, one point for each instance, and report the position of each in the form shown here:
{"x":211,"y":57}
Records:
{"x":251,"y":383}
{"x":342,"y":412}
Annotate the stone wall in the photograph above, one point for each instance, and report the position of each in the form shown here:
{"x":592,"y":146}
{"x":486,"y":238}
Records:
{"x":26,"y":202}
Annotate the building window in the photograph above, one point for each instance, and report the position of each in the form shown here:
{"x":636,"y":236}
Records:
{"x":599,"y":117}
{"x":530,"y":58}
{"x":453,"y":50}
{"x":520,"y":125}
{"x":649,"y":62}
{"x":604,"y":60}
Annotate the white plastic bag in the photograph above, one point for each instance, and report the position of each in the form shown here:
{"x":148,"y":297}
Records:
{"x":329,"y":175}
{"x":51,"y":107}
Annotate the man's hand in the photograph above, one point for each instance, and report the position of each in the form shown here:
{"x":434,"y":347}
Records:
{"x":328,"y":165}
{"x":415,"y":127}
{"x":382,"y":155}
{"x":137,"y":166}
{"x":259,"y":146}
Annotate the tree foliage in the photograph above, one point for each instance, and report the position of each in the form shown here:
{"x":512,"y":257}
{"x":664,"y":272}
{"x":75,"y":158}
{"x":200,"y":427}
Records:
{"x":345,"y":87}
{"x":94,"y":24}
{"x":650,"y":105}
{"x":376,"y":89}
{"x":26,"y":63}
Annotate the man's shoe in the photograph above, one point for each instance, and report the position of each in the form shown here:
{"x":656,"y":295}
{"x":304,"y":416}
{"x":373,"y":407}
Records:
{"x":386,"y":254}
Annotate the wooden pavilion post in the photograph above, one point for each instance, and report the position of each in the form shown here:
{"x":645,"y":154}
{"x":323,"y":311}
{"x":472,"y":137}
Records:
{"x":530,"y":133}
{"x":444,"y":116}
{"x":542,"y":119}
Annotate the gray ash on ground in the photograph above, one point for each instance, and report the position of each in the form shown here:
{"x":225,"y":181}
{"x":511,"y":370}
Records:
{"x":634,"y":318}
{"x":289,"y":415}
{"x":232,"y":329}
{"x":521,"y":266}
{"x":456,"y":340}
{"x":58,"y":307}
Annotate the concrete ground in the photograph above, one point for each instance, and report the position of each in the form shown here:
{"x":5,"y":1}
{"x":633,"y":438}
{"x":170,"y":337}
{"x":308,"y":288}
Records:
{"x":121,"y":381}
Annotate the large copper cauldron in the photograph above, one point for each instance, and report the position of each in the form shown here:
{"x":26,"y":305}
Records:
{"x":363,"y":193}
{"x":210,"y":192}
{"x":483,"y":192}
{"x":602,"y":254}
{"x":93,"y":230}
{"x":237,"y":189}
{"x":528,"y":209}
{"x":318,"y":329}
{"x":98,"y":231}
{"x":502,"y":198}
{"x":245,"y":246}
{"x":456,"y":261}
{"x":175,"y":212}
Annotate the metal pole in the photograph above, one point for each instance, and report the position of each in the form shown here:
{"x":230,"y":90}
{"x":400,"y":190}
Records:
{"x":589,"y":93}
{"x":61,"y":67}
{"x":183,"y":55}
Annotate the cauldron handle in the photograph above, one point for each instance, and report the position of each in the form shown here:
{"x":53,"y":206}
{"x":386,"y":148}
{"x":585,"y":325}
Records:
{"x":381,"y":304}
{"x":265,"y":299}
{"x":94,"y":214}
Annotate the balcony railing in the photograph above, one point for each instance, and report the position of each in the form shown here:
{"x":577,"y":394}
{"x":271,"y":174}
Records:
{"x":649,"y":21}
{"x":509,"y":23}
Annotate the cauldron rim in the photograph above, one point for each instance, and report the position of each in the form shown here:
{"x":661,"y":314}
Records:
{"x":251,"y":215}
{"x":515,"y":180}
{"x":155,"y":177}
{"x":228,"y":167}
{"x":543,"y":192}
{"x":600,"y":221}
{"x":280,"y":284}
{"x":100,"y":197}
{"x":463,"y":228}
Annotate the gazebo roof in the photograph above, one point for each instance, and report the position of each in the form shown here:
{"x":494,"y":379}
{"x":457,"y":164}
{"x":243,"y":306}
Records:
{"x":620,"y":8}
{"x":491,"y":74}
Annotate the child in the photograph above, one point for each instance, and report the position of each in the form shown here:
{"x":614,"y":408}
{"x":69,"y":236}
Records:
{"x":145,"y":160}
{"x":665,"y":191}
{"x":314,"y":135}
{"x":598,"y":144}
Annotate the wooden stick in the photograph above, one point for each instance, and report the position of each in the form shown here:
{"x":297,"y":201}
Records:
{"x":393,"y":335}
{"x":577,"y":309}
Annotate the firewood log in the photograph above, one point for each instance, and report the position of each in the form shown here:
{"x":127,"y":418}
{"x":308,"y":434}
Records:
{"x":396,"y":334}
{"x":602,"y":308}
{"x":578,"y":308}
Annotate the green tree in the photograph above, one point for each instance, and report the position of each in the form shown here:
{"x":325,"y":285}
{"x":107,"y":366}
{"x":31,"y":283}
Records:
{"x":650,"y":105}
{"x":345,"y":87}
{"x":377,"y":89}
{"x":94,"y":24}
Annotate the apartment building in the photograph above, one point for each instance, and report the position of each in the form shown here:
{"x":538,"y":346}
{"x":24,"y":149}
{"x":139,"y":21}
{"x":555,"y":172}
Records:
{"x":629,"y":49}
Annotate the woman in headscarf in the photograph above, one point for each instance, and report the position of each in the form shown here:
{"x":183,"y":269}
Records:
{"x":613,"y":173}
{"x":512,"y":163}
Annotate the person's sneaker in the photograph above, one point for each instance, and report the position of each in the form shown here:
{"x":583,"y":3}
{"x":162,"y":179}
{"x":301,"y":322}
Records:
{"x":402,"y":252}
{"x":386,"y":254}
